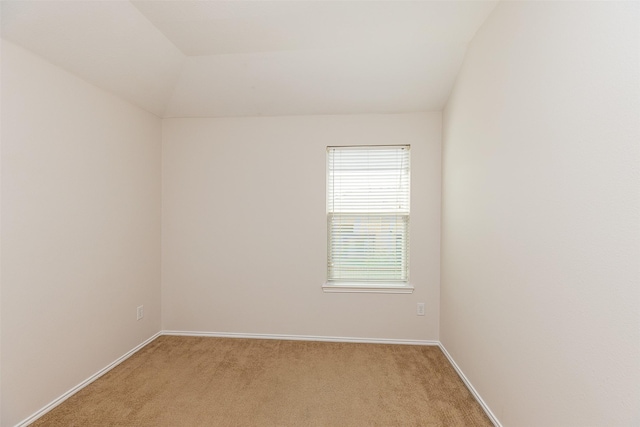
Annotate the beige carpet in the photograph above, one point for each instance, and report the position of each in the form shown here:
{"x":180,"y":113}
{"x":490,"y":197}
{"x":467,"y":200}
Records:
{"x":188,"y":381}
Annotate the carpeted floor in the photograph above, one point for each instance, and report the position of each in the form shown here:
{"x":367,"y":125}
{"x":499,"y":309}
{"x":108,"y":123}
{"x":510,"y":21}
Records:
{"x":193,"y":381}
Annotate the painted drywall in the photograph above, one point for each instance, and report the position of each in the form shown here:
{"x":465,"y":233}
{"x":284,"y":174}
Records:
{"x":0,"y":241}
{"x":80,"y":230}
{"x":255,"y":58}
{"x":108,"y":43}
{"x":540,"y":296}
{"x":244,"y":227}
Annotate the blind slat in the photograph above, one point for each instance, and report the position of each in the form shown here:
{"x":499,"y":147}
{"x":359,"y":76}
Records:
{"x":368,"y":200}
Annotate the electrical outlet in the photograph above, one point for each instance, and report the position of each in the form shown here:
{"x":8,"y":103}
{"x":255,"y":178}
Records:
{"x":140,"y":312}
{"x":420,"y":309}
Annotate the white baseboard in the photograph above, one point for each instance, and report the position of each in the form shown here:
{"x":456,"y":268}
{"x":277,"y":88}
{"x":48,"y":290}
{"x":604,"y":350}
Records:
{"x":85,"y":383}
{"x":300,"y":337}
{"x":473,"y":391}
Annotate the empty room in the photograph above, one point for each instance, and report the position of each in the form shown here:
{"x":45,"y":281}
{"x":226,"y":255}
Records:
{"x":320,"y":213}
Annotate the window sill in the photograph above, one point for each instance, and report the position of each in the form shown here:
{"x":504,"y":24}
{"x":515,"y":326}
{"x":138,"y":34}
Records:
{"x":372,"y":288}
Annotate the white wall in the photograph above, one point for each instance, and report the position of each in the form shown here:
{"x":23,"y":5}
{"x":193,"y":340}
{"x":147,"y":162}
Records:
{"x":1,"y":58}
{"x":541,"y":214}
{"x":244,"y":227}
{"x":80,"y":230}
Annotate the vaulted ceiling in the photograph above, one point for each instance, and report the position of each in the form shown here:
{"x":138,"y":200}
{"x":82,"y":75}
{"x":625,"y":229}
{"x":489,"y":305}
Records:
{"x":249,"y":58}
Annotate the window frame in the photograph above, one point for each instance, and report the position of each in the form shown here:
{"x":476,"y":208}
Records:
{"x":366,"y":286}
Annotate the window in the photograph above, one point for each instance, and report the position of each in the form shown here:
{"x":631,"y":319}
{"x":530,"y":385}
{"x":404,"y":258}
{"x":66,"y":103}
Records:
{"x":368,"y":219}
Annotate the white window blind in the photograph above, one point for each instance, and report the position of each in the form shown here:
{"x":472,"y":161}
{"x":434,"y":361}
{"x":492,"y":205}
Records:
{"x":368,"y":214}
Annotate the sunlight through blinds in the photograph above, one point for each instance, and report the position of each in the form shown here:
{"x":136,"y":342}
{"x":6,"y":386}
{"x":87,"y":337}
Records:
{"x":368,"y":214}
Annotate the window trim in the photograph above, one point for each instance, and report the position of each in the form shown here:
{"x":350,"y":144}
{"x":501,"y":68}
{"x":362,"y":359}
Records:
{"x":363,"y":287}
{"x":394,"y":287}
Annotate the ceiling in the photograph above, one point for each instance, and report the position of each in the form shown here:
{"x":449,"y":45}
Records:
{"x":214,"y":58}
